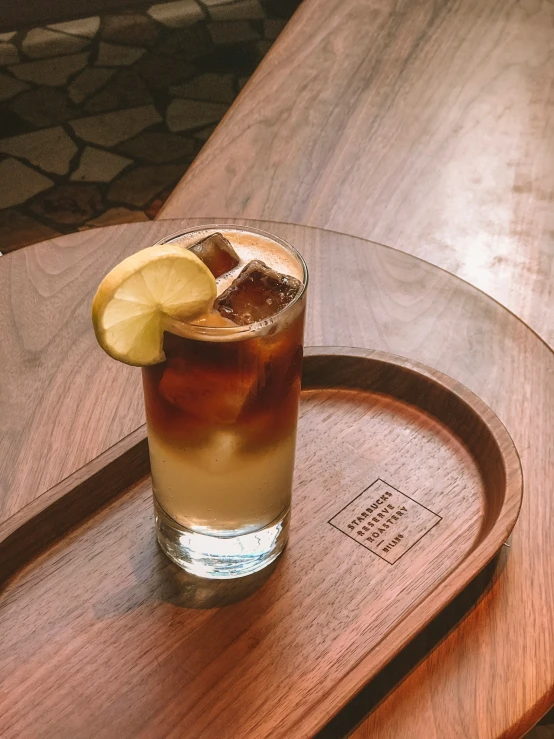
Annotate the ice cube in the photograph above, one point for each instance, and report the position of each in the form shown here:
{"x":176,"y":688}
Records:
{"x":217,"y":253}
{"x":211,"y":394}
{"x":257,"y":293}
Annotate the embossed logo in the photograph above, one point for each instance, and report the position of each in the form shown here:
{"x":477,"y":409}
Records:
{"x":385,"y":521}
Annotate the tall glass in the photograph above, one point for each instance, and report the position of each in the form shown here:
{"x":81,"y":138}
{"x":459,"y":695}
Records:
{"x":221,"y":413}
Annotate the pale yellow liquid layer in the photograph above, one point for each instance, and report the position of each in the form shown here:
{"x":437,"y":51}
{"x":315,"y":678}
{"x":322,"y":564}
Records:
{"x":217,"y":488}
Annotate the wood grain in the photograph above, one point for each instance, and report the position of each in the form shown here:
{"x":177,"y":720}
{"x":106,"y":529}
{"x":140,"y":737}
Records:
{"x":427,"y":126}
{"x":49,"y":516}
{"x":361,"y":294}
{"x":55,"y":382}
{"x":376,"y":432}
{"x":424,"y":125}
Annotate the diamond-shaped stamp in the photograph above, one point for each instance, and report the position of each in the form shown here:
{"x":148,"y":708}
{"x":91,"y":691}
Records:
{"x":385,"y":521}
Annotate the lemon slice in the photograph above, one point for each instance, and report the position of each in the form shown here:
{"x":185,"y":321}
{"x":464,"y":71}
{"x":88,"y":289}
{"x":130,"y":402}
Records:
{"x":130,"y":304}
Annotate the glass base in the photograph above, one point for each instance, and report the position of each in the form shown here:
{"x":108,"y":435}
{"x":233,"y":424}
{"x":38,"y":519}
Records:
{"x":218,"y":557}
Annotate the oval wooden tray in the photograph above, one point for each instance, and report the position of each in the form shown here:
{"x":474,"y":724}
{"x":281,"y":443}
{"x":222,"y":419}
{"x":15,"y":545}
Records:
{"x":406,"y":487}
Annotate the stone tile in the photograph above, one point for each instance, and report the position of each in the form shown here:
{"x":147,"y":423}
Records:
{"x":205,"y":133}
{"x":176,"y":14}
{"x":51,"y":72}
{"x":130,"y":28}
{"x":272,"y":28}
{"x":114,"y":55}
{"x":159,"y":147}
{"x":8,"y":54}
{"x":7,"y":36}
{"x":12,"y":124}
{"x":240,"y":59}
{"x":126,"y":90}
{"x":264,"y":46}
{"x":86,"y":83}
{"x":43,"y":42}
{"x":186,"y":44}
{"x":113,"y":216}
{"x":109,"y":129}
{"x":18,"y":230}
{"x":240,"y":10}
{"x":10,"y":86}
{"x":24,"y":183}
{"x":156,"y":205}
{"x":540,"y":732}
{"x":97,"y":165}
{"x":280,"y":8}
{"x":86,"y":27}
{"x":69,"y":205}
{"x":50,"y":149}
{"x":217,"y":88}
{"x":183,"y":115}
{"x":161,"y":71}
{"x":232,"y":32}
{"x":44,"y":107}
{"x":138,"y":186}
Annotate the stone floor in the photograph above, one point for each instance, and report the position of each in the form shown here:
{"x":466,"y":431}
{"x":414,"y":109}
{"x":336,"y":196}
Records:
{"x":545,"y":729}
{"x":100,"y":117}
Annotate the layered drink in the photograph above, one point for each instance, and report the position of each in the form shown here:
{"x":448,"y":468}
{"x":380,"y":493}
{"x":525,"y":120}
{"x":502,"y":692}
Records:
{"x":222,"y":407}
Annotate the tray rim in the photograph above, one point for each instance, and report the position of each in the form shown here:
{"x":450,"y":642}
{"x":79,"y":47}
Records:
{"x":473,"y":563}
{"x":134,"y":446}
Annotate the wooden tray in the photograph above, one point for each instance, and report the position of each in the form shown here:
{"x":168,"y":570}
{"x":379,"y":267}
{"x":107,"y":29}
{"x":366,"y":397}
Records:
{"x":406,"y":487}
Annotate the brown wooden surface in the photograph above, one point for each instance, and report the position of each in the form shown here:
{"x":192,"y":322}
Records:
{"x":64,"y":402}
{"x":424,"y":125}
{"x":427,"y":126}
{"x":51,"y":514}
{"x":444,"y":482}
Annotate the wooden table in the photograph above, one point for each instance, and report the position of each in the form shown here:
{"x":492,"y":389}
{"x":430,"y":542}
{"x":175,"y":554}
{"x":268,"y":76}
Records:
{"x":426,"y":126}
{"x":422,"y":125}
{"x":64,"y":403}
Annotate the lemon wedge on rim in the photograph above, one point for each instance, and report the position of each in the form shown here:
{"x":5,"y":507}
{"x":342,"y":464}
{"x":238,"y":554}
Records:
{"x":132,"y":300}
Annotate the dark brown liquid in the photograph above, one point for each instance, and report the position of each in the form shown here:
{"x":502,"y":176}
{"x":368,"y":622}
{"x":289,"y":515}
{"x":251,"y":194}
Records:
{"x":251,"y":385}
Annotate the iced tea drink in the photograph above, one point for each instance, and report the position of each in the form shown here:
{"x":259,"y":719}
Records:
{"x":222,"y":407}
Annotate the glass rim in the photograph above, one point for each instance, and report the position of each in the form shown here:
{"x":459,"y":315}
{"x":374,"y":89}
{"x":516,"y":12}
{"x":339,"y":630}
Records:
{"x":191,"y":328}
